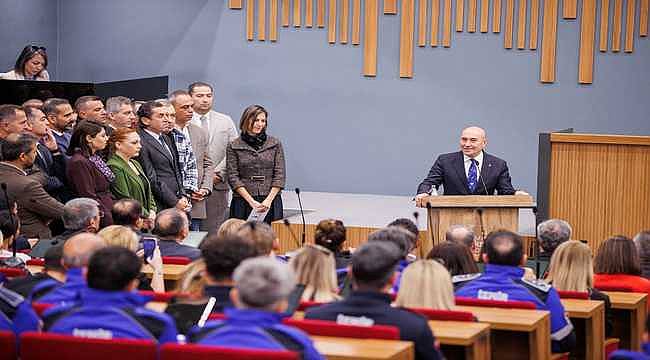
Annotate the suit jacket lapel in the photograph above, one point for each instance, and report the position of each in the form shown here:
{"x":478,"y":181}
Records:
{"x":158,"y":146}
{"x":485,"y":172}
{"x":459,"y":166}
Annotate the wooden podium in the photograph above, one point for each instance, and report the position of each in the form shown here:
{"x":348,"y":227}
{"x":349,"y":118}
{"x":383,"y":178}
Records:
{"x":494,"y":212}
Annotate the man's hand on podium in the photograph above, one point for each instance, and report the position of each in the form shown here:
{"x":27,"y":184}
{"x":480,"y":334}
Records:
{"x":421,"y":200}
{"x":521,"y":192}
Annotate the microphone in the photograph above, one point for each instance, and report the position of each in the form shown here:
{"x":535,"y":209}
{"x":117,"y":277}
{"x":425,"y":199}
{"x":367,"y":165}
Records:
{"x":433,"y":238}
{"x":302,"y":214}
{"x":293,"y":236}
{"x":482,"y":229}
{"x":12,"y":261}
{"x":483,"y":182}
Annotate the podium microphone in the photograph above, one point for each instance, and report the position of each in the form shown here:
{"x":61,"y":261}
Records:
{"x":302,"y":214}
{"x":12,"y":261}
{"x":293,"y":236}
{"x":433,"y":238}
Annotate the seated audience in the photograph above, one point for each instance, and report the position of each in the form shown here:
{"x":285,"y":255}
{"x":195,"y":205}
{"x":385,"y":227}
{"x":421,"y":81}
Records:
{"x":642,"y":242}
{"x":13,"y":120}
{"x":314,"y":268}
{"x":644,"y":354}
{"x":426,"y":284}
{"x":617,"y":264}
{"x":264,"y":238}
{"x":373,"y":271}
{"x":79,"y":215}
{"x":550,"y":234}
{"x":35,"y":207}
{"x":9,"y":303}
{"x":49,"y":160}
{"x":128,"y":212}
{"x":331,"y":234}
{"x":120,"y":113}
{"x":53,"y":270}
{"x":571,"y":269}
{"x":108,"y":308}
{"x":30,"y":65}
{"x":409,"y":226}
{"x":504,"y":280}
{"x":230,"y":227}
{"x":461,"y":234}
{"x":404,"y":241}
{"x":188,"y":305}
{"x":86,"y":171}
{"x":61,"y":118}
{"x":10,"y":229}
{"x":116,"y":235}
{"x":456,"y":258}
{"x":172,"y":228}
{"x":262,"y":286}
{"x":91,"y":108}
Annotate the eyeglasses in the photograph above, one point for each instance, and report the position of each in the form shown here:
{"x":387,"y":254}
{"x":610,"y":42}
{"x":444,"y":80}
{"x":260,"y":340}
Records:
{"x":101,"y":213}
{"x":37,"y":48}
{"x":322,"y":249}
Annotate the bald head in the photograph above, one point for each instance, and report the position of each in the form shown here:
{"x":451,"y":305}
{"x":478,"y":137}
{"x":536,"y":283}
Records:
{"x":460,"y":234}
{"x":472,"y":141}
{"x":504,"y":247}
{"x":171,"y":224}
{"x":79,"y":248}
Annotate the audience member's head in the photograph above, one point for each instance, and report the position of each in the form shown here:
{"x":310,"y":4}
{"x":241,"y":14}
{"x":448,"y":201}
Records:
{"x":35,"y":103}
{"x":315,"y":268}
{"x":171,"y":224}
{"x":31,"y":62}
{"x":113,"y":268}
{"x":88,"y":137}
{"x":330,"y":234}
{"x":37,"y":123}
{"x":403,"y":239}
{"x":53,"y":260}
{"x":125,"y":143}
{"x":426,"y":284}
{"x":551,"y":233}
{"x":571,"y":268}
{"x":192,"y":280}
{"x":202,"y":96}
{"x":127,"y":212}
{"x":20,"y":150}
{"x":406,"y":224}
{"x":118,"y":235}
{"x":642,"y":242}
{"x":60,"y":114}
{"x":262,"y":235}
{"x":12,"y":120}
{"x":230,"y":227}
{"x":504,"y":247}
{"x":455,"y":257}
{"x":154,"y":116}
{"x":250,"y":116}
{"x":9,"y":227}
{"x":182,"y":102}
{"x":81,"y":214}
{"x":79,"y":248}
{"x":373,"y":265}
{"x":262,"y":283}
{"x":91,"y":108}
{"x":461,"y":234}
{"x":617,"y":255}
{"x":120,"y":112}
{"x":222,"y":254}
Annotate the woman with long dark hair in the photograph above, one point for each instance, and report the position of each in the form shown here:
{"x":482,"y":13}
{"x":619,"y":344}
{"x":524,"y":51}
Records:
{"x":30,"y":65}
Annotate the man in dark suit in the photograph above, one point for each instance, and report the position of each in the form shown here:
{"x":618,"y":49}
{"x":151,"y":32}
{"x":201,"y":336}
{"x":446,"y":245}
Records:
{"x":158,"y":156}
{"x":49,"y":159}
{"x":172,"y":227}
{"x":470,"y":171}
{"x":61,"y":119}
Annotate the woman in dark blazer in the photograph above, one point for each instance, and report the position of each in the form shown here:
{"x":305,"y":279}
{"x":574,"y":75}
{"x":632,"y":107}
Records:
{"x":130,"y":180}
{"x":256,"y":169}
{"x":87,"y":173}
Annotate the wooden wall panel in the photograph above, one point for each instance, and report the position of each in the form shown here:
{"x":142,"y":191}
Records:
{"x":390,"y":7}
{"x":460,"y":15}
{"x":309,"y":13}
{"x":345,"y":21}
{"x":521,"y":26}
{"x":604,"y":25}
{"x":320,"y":13}
{"x":534,"y":24}
{"x":285,"y":13}
{"x":496,"y":16}
{"x":446,"y":24}
{"x":549,"y":41}
{"x":629,"y":26}
{"x":643,"y":19}
{"x":485,"y":14}
{"x":235,"y":4}
{"x":407,"y":32}
{"x":569,"y":9}
{"x":371,"y":13}
{"x":261,"y":20}
{"x":435,"y":22}
{"x":510,"y":18}
{"x":471,"y":16}
{"x":422,"y":23}
{"x":250,"y":19}
{"x":587,"y":42}
{"x":331,"y":22}
{"x":273,"y":21}
{"x":297,"y":13}
{"x":356,"y":22}
{"x":617,"y":25}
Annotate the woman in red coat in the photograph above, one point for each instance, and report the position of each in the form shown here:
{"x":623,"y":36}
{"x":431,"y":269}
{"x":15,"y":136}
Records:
{"x":87,"y":173}
{"x":617,"y":265}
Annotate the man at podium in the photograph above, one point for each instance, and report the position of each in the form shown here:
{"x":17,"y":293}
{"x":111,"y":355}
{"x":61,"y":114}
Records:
{"x":470,"y":171}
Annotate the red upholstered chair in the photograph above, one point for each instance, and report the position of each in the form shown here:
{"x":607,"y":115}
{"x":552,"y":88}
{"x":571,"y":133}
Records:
{"x":582,"y":295}
{"x":217,"y":316}
{"x":7,"y":345}
{"x":445,"y":315}
{"x":304,"y":305}
{"x":40,"y":308}
{"x":39,"y":346}
{"x":158,"y":296}
{"x":509,"y":304}
{"x":175,"y":260}
{"x":36,"y":262}
{"x":330,"y":328}
{"x":611,"y":345}
{"x":13,"y":272}
{"x":621,"y":288}
{"x":202,"y":352}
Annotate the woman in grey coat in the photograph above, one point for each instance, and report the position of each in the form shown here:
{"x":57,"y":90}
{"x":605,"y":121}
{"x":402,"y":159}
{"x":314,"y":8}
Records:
{"x":256,"y":169}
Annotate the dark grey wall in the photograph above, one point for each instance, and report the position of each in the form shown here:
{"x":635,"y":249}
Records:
{"x":343,"y":132}
{"x":24,"y":22}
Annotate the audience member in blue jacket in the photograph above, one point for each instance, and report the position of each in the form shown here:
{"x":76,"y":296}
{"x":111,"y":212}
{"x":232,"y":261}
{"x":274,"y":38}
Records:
{"x":503,"y":279}
{"x":404,"y":240}
{"x":9,"y":302}
{"x":109,"y":308}
{"x":262,"y":286}
{"x":644,"y":354}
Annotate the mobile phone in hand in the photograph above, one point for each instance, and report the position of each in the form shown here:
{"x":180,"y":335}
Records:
{"x":149,"y":245}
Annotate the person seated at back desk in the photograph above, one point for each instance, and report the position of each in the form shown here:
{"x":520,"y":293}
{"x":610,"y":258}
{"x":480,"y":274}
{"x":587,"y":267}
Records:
{"x":172,"y":228}
{"x":504,"y":280}
{"x":53,"y":270}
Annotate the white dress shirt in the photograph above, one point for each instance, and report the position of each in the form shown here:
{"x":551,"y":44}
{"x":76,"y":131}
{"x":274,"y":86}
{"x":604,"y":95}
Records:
{"x":468,"y":163}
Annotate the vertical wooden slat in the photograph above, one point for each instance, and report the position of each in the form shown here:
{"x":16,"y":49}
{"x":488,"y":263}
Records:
{"x":331,"y":22}
{"x":496,"y":16}
{"x":460,"y":15}
{"x":250,"y":19}
{"x":587,"y":42}
{"x":356,"y":22}
{"x":309,"y":13}
{"x":345,"y":21}
{"x":371,"y":12}
{"x":320,"y":13}
{"x":285,"y":13}
{"x":446,"y":24}
{"x":521,"y":26}
{"x":604,"y":24}
{"x":549,"y":41}
{"x":422,"y":23}
{"x":273,"y":21}
{"x":261,"y":20}
{"x":629,"y":26}
{"x":510,"y":18}
{"x":643,"y":19}
{"x":234,"y":4}
{"x":435,"y":22}
{"x":390,"y":7}
{"x":569,"y":9}
{"x":406,"y":39}
{"x":617,"y":25}
{"x":534,"y":24}
{"x":297,"y":13}
{"x":471,"y":16}
{"x":485,"y":14}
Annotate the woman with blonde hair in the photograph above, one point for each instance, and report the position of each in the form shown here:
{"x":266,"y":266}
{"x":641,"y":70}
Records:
{"x":426,"y":284}
{"x":230,"y":227}
{"x":187,"y":308}
{"x":314,"y":268}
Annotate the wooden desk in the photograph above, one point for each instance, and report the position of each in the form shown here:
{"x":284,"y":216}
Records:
{"x":629,"y":311}
{"x":170,"y":271}
{"x":516,"y":333}
{"x":462,"y":340}
{"x":588,"y":318}
{"x":334,"y":348}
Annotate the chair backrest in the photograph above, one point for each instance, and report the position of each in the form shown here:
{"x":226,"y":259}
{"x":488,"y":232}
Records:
{"x":582,"y":295}
{"x":216,"y":316}
{"x":176,"y":260}
{"x":330,"y":328}
{"x":617,"y":287}
{"x":36,"y":262}
{"x":202,"y":352}
{"x":40,"y":308}
{"x":507,"y":304}
{"x":158,"y":296}
{"x":304,"y":305}
{"x":445,"y":315}
{"x":38,"y":346}
{"x":7,"y":345}
{"x":12,"y":272}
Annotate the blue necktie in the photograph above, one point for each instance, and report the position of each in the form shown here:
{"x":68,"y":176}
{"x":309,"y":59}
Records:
{"x":472,"y":178}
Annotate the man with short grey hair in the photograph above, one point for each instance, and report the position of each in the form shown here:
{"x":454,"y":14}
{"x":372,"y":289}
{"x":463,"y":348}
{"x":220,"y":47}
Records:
{"x":120,"y":112}
{"x":172,"y":227}
{"x":262,"y":288}
{"x":550,"y":234}
{"x":461,"y":234}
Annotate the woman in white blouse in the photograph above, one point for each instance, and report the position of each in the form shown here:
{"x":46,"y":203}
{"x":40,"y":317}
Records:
{"x":31,"y":65}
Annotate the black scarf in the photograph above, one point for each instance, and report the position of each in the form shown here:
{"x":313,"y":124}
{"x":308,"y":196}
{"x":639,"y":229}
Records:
{"x":255,"y":141}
